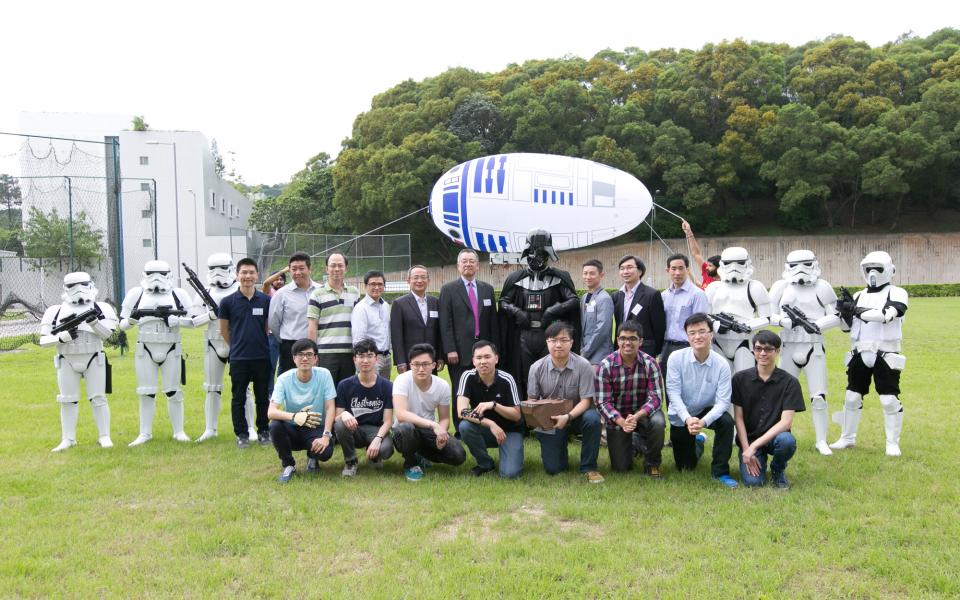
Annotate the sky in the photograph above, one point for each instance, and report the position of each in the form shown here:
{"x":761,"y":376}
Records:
{"x":275,"y":83}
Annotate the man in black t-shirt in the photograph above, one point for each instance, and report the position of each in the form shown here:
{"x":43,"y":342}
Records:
{"x":364,"y":410}
{"x":489,"y":406}
{"x":765,"y":399}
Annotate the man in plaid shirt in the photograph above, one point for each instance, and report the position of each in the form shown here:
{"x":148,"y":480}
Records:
{"x":629,"y":392}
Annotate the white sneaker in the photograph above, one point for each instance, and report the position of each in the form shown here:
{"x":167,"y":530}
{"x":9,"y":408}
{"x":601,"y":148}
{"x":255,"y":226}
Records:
{"x":823,"y":448}
{"x":143,"y":438}
{"x":181,"y":437}
{"x":349,"y":470}
{"x":207,"y":435}
{"x":63,"y":445}
{"x":105,"y":442}
{"x":893,"y":449}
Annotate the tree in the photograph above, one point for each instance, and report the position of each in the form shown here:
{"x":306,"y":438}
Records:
{"x":304,"y":206}
{"x":10,"y":196}
{"x":139,"y":124}
{"x":218,"y":166}
{"x":477,"y":119}
{"x":48,"y":235}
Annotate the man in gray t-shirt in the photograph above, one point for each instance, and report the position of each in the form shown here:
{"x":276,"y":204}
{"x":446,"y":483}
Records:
{"x":421,"y":402}
{"x":563,"y":375}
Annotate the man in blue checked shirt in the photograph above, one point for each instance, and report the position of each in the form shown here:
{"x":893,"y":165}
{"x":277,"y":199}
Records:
{"x":698,"y":385}
{"x":680,"y":300}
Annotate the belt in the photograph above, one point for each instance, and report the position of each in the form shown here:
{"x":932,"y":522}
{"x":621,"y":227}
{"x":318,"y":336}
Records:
{"x":384,"y":353}
{"x":676,"y":343}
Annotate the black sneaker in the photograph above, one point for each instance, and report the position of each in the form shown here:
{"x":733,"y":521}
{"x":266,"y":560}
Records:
{"x":477,"y":471}
{"x":263,"y":438}
{"x":312,"y":465}
{"x":779,"y":480}
{"x":243,"y":443}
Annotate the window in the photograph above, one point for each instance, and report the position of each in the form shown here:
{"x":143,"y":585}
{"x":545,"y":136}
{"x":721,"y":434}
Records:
{"x":147,"y":243}
{"x":213,"y":200}
{"x":144,"y":187}
{"x":146,"y":214}
{"x":231,"y":210}
{"x":144,"y":160}
{"x":223,"y":206}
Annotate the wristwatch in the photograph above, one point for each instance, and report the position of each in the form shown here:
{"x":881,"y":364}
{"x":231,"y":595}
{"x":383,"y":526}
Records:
{"x":327,"y":434}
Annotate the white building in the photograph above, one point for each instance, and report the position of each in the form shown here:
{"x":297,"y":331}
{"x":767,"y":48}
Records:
{"x":196,"y":209}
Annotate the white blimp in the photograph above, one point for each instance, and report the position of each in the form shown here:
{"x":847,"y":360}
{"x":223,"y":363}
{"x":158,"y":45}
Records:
{"x":490,"y":203}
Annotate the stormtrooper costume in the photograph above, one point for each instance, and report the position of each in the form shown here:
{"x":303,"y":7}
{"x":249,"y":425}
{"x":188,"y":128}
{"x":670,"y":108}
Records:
{"x":221,"y":281}
{"x":80,"y":355}
{"x":801,"y":288}
{"x":531,"y":299}
{"x":158,"y":350}
{"x":743,"y":297}
{"x":876,"y":328}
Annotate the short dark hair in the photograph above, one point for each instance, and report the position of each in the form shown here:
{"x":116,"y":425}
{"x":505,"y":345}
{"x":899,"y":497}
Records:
{"x":593,"y":262}
{"x":365,"y":345}
{"x":636,"y":259}
{"x":696,"y":319}
{"x":303,"y":344}
{"x":424,"y":348}
{"x":714,"y":260}
{"x":558,"y":327}
{"x":678,"y":256}
{"x":346,"y":261}
{"x":483,"y":344}
{"x":765,"y":336}
{"x":631,"y":325}
{"x":299,"y":257}
{"x":247,"y":261}
{"x":372,"y":274}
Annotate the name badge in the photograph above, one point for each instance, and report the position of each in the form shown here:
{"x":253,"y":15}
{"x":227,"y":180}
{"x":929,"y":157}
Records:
{"x":258,"y":312}
{"x":636,"y":310}
{"x":487,"y":302}
{"x":591,"y":307}
{"x":434,"y":314}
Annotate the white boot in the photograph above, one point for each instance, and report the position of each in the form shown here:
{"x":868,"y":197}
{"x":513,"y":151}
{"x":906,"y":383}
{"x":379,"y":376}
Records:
{"x":175,"y":409}
{"x":849,"y":420}
{"x":101,"y":416}
{"x":211,"y":411}
{"x":148,"y":405}
{"x":69,"y":413}
{"x":251,"y":411}
{"x":893,"y":424}
{"x":820,"y":424}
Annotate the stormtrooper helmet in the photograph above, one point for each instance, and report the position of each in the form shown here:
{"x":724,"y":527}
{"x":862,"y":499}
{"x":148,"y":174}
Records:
{"x":78,"y":288}
{"x":220,"y":270}
{"x":877,"y":268}
{"x":735,"y":265}
{"x":539,"y":249}
{"x":801,"y":267}
{"x":156,"y":277}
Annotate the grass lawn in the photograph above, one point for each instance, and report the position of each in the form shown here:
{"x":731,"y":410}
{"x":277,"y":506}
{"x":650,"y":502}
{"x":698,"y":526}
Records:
{"x":207,"y":520}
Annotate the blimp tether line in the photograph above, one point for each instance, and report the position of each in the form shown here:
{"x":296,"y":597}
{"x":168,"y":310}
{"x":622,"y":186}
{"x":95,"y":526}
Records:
{"x":326,"y":251}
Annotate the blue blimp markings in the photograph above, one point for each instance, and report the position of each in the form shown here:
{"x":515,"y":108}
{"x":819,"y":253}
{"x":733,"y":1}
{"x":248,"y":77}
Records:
{"x":489,"y":180}
{"x":553,"y":197}
{"x":501,"y":174}
{"x":480,"y":245}
{"x":464,"y":225}
{"x":503,"y":243}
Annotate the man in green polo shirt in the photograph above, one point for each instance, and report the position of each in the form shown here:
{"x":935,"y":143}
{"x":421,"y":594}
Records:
{"x":328,"y":320}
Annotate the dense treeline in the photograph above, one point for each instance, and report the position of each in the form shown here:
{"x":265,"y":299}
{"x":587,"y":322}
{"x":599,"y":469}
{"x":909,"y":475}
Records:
{"x":832,"y":132}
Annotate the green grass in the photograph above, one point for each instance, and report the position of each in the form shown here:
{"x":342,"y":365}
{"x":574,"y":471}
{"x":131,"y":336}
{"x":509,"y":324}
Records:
{"x":189,"y":520}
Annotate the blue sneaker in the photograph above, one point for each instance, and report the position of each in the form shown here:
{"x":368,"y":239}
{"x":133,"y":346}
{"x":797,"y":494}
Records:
{"x":701,"y":438}
{"x":779,"y":480}
{"x":287,"y":474}
{"x":728,"y":481}
{"x":413,"y":473}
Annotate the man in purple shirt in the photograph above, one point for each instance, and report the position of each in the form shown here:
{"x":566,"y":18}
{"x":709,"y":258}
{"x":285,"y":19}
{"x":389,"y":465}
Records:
{"x":629,"y":392}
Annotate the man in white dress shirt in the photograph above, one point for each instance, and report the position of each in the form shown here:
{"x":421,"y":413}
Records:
{"x":371,"y":320}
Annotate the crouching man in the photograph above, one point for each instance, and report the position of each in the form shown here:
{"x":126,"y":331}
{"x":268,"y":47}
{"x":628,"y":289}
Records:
{"x":364,"y":410}
{"x":303,"y":399}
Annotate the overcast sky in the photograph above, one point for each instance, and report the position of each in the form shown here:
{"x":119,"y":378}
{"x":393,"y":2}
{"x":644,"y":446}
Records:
{"x":277,"y":82}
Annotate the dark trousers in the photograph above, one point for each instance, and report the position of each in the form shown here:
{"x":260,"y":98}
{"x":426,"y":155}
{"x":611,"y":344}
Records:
{"x":361,"y":437}
{"x":455,"y":372}
{"x":288,"y":437}
{"x":416,"y":442}
{"x":242,"y":374}
{"x":274,"y":357}
{"x":649,"y":437}
{"x":339,"y":364}
{"x":286,"y":357}
{"x":687,"y":451}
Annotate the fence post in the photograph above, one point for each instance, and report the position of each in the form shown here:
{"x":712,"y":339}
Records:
{"x":70,"y":220}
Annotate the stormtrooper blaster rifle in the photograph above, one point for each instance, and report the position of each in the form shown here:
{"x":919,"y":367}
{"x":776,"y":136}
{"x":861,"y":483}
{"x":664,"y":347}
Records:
{"x":161,"y":312}
{"x":730,"y":323}
{"x":797,"y":317}
{"x":74,"y":321}
{"x":200,"y":290}
{"x":846,"y":306}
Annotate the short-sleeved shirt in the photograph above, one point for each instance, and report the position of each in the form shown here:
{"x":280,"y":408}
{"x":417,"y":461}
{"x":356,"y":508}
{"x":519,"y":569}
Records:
{"x":366,"y":404}
{"x":294,"y":395}
{"x":763,"y":402}
{"x":248,"y":325}
{"x":707,"y":279}
{"x":332,"y":312}
{"x":423,"y":404}
{"x":503,"y":391}
{"x":575,"y":381}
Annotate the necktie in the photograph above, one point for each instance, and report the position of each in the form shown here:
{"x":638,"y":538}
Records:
{"x":475,"y":307}
{"x":586,"y":301}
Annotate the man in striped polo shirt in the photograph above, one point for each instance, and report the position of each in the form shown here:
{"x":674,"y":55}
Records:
{"x":328,"y":320}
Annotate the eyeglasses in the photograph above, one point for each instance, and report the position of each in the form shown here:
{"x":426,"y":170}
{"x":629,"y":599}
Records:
{"x":421,"y":365}
{"x":375,"y":285}
{"x":304,"y":355}
{"x":366,"y":356}
{"x":764,"y":349}
{"x":698,"y":333}
{"x":628,"y":340}
{"x":560,"y":341}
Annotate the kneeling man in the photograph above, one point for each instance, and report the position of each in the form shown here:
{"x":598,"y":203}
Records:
{"x":364,"y":410}
{"x":765,"y":399}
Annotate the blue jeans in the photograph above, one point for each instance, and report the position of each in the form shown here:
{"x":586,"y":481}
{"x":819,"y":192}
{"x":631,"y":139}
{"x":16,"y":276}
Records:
{"x":553,"y":446}
{"x":478,"y":438}
{"x":781,"y":448}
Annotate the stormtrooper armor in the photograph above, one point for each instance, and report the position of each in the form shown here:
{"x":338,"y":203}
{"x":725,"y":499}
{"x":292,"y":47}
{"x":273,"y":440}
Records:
{"x":875,"y":322}
{"x":801,"y":289}
{"x":744,"y":298}
{"x":532,"y":298}
{"x":80,"y":355}
{"x":221,"y":282}
{"x":158,"y":350}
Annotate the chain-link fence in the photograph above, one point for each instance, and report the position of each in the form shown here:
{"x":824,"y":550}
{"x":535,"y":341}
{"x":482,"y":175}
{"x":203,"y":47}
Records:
{"x":272,"y":251}
{"x":63,"y":208}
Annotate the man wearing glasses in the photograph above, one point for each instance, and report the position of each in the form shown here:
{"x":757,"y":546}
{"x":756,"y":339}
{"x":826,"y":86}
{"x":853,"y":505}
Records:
{"x":629,"y":393}
{"x":698,"y":385}
{"x":303,"y":399}
{"x":563,"y":375}
{"x":364,"y":411}
{"x":765,"y":399}
{"x":371,"y":320}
